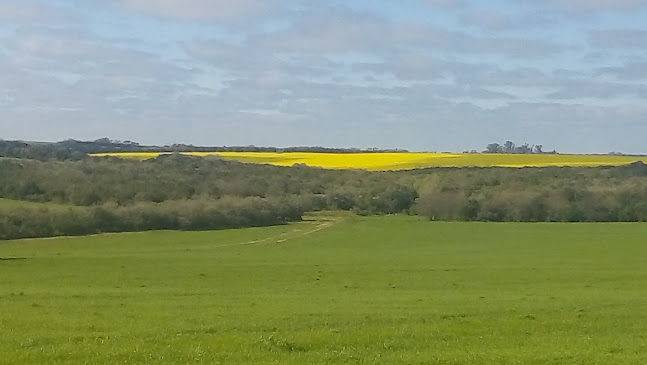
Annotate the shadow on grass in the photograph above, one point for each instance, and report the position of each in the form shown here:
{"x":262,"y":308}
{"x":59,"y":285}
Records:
{"x":12,"y":258}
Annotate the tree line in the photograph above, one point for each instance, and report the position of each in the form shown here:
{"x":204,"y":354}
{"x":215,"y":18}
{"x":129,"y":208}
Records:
{"x":76,"y":150}
{"x":182,"y":192}
{"x":143,"y":216}
{"x":511,"y":147}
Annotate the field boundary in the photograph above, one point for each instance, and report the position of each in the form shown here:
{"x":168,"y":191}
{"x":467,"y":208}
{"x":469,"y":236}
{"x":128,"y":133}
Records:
{"x":396,"y":161}
{"x":326,"y":223}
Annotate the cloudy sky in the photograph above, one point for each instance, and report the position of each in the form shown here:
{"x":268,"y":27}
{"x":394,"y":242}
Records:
{"x":428,"y":75}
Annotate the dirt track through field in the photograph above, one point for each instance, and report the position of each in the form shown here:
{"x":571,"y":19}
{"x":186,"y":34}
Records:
{"x":291,"y":235}
{"x":298,"y":232}
{"x":288,"y":236}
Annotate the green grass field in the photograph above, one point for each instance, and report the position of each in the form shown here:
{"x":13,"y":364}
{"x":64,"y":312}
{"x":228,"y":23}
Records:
{"x":10,"y":204}
{"x":374,"y":290}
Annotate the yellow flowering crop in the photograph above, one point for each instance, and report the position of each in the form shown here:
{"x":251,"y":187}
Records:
{"x":403,"y":160}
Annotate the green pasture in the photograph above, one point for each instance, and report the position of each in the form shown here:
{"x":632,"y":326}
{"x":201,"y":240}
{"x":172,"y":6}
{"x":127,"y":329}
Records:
{"x":336,"y":290}
{"x":10,"y":204}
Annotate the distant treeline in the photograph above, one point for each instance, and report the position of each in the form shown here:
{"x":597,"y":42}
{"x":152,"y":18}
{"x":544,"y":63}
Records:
{"x":76,"y":150}
{"x":511,"y":147}
{"x":183,"y":192}
{"x":567,"y":194}
{"x":97,"y":181}
{"x":142,"y":216}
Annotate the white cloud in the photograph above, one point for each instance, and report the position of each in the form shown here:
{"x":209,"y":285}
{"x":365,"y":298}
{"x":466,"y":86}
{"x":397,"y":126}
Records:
{"x":631,"y":71}
{"x":603,"y":4}
{"x":444,"y":3}
{"x":74,"y":51}
{"x":619,"y":38}
{"x":17,"y":11}
{"x":604,"y":90}
{"x":340,"y":30}
{"x":335,"y":75}
{"x":497,"y":20}
{"x":330,"y":29}
{"x":199,"y":10}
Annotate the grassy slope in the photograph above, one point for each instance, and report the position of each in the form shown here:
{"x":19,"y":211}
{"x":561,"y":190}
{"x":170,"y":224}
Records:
{"x":9,"y":204}
{"x":365,"y":290}
{"x":14,"y":204}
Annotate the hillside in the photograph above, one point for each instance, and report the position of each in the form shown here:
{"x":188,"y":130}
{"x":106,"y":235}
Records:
{"x":193,"y":193}
{"x":338,"y":289}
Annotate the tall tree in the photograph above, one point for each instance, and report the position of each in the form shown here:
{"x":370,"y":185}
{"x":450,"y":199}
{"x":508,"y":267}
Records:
{"x":494,"y":148}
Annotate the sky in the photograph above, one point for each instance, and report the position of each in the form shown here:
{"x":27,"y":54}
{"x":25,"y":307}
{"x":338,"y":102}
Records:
{"x":422,"y":75}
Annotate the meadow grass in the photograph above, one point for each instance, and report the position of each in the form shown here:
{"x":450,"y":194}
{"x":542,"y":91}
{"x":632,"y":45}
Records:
{"x":11,"y":204}
{"x":372,"y":290}
{"x":404,"y":160}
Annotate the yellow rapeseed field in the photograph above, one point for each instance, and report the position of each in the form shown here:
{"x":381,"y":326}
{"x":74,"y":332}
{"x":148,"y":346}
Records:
{"x":402,"y":160}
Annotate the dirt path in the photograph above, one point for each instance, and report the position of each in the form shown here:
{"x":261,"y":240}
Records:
{"x":299,"y":230}
{"x":288,"y":236}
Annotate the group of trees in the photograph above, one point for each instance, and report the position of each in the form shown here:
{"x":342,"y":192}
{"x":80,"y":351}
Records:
{"x":75,"y":150}
{"x":510,"y":147}
{"x":175,"y":215}
{"x":96,"y":181}
{"x":182,"y":192}
{"x":536,"y":195}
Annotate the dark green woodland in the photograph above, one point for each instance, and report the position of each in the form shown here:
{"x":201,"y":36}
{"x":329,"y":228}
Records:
{"x":85,"y":195}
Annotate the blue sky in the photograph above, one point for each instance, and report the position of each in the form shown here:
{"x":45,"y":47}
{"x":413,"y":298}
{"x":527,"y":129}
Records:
{"x":426,"y":75}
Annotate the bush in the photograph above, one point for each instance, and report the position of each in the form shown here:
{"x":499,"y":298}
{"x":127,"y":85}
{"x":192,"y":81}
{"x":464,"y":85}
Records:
{"x":174,"y":215}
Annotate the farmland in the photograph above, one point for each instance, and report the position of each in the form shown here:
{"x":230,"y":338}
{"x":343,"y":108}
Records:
{"x":11,"y":204}
{"x":332,"y":289}
{"x":7,"y":204}
{"x":405,"y":160}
